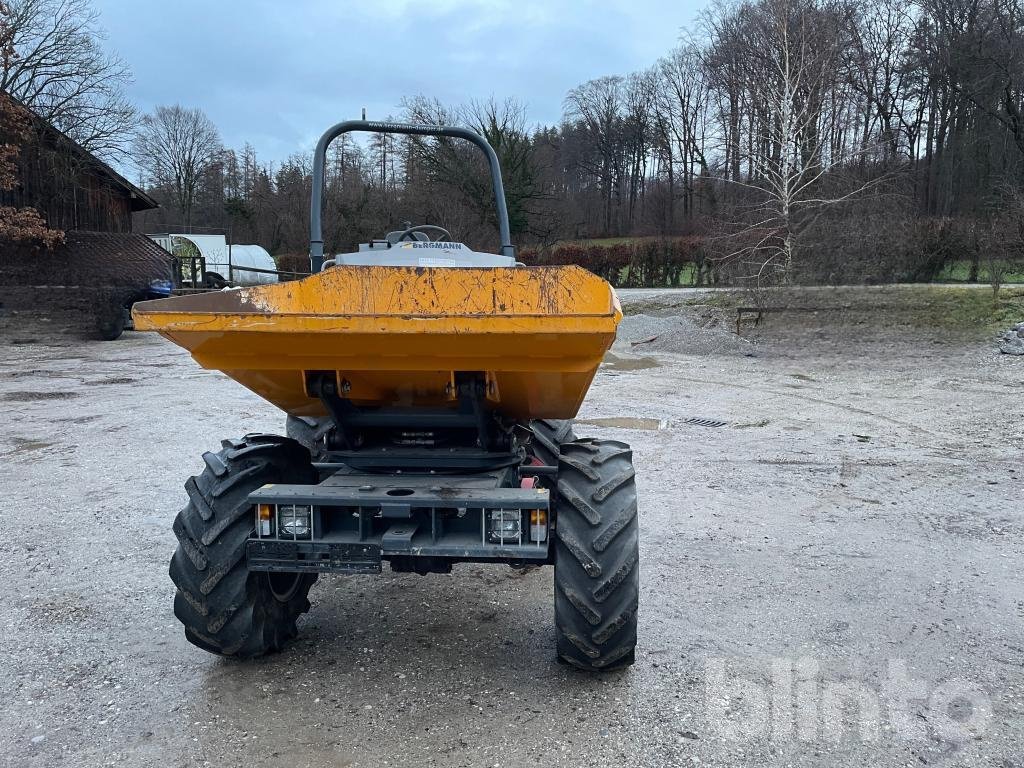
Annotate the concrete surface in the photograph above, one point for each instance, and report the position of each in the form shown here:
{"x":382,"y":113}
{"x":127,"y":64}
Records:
{"x":853,"y":534}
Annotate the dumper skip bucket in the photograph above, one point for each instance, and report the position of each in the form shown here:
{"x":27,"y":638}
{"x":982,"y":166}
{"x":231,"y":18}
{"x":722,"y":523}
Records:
{"x":398,"y":336}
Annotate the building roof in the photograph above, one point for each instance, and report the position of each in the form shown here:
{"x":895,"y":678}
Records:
{"x":140,"y":201}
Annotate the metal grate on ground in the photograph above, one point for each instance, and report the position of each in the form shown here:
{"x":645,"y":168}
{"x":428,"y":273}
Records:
{"x":698,"y":422}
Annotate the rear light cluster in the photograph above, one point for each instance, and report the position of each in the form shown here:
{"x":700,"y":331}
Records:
{"x":284,"y":521}
{"x":506,"y":526}
{"x":501,"y":526}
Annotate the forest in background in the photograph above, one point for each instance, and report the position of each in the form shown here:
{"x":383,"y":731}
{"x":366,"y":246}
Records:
{"x":782,"y":141}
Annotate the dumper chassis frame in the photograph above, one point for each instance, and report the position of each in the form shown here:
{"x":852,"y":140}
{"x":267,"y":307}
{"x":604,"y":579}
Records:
{"x":429,"y":503}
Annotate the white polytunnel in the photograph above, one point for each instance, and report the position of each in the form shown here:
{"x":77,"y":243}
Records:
{"x":254,"y":256}
{"x":221,"y":260}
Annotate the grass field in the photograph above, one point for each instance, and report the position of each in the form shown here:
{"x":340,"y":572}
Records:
{"x":955,"y":272}
{"x":687,"y":278}
{"x":948,"y":308}
{"x":960,"y":271}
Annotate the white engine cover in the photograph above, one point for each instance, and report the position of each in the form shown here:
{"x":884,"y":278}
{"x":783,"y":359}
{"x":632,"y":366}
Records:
{"x":417,"y":253}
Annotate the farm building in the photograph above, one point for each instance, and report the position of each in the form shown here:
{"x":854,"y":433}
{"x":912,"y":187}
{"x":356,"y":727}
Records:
{"x":98,"y":266}
{"x":69,"y":187}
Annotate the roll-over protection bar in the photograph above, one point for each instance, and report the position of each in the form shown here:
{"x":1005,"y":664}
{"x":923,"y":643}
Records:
{"x":316,"y":236}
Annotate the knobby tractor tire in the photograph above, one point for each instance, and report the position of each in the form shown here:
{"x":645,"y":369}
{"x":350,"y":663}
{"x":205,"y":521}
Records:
{"x":548,"y":436}
{"x":226,"y":609}
{"x":597,"y":552}
{"x":310,"y":435}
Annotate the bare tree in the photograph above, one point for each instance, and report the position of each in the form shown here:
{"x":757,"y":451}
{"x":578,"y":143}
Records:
{"x":55,"y":65}
{"x":794,"y":50}
{"x":176,"y":146}
{"x":637,"y":126}
{"x":1002,"y":240}
{"x":682,"y":112}
{"x":598,"y":105}
{"x":456,"y":164}
{"x":878,"y":73}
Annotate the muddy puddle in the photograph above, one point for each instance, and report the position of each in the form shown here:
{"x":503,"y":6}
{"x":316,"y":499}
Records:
{"x":81,"y":420}
{"x":111,"y":380}
{"x":627,"y":422}
{"x":628,"y":363}
{"x":26,"y":445}
{"x":28,"y":397}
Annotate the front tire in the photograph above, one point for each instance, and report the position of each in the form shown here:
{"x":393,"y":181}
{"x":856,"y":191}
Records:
{"x":310,"y":433}
{"x":597,"y":553}
{"x":225,"y":608}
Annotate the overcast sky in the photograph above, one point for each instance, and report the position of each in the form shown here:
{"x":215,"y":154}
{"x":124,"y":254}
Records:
{"x":276,"y":73}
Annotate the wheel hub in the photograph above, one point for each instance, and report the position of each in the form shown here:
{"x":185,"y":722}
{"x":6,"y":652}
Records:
{"x":283,"y":586}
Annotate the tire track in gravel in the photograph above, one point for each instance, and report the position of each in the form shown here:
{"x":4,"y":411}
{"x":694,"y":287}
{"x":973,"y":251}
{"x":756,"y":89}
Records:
{"x":819,"y":401}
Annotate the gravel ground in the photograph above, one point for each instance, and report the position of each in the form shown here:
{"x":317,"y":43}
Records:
{"x":853,"y":533}
{"x":690,"y":334}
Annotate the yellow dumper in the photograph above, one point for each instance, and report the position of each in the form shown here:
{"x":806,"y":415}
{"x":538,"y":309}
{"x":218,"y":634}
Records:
{"x":428,"y":389}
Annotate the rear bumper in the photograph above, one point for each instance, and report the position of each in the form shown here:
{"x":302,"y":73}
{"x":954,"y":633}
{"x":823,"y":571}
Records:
{"x":342,"y":557}
{"x":333,"y":557}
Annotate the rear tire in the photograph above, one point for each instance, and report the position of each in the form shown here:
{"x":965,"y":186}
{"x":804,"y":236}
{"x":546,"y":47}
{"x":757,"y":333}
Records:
{"x":225,"y":608}
{"x":597,"y":553}
{"x":548,"y":436}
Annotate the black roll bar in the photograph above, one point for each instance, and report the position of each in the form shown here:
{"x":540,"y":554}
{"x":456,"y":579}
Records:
{"x":316,"y":236}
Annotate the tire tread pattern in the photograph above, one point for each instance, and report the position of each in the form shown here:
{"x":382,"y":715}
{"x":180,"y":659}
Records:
{"x":225,"y":608}
{"x":548,"y":436}
{"x":597,"y":554}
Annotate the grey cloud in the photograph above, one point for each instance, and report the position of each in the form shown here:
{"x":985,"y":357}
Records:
{"x":276,"y":73}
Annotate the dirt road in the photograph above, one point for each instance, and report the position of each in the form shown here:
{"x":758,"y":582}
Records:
{"x":851,"y":535}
